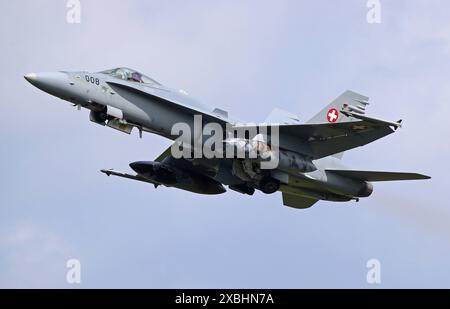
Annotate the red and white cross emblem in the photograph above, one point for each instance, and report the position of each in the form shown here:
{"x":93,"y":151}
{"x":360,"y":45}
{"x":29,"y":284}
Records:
{"x":332,"y":115}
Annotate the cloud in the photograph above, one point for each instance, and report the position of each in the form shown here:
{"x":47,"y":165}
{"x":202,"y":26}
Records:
{"x":32,"y":257}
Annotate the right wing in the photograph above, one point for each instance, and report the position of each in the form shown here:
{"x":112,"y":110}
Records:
{"x":325,"y":139}
{"x":348,"y":127}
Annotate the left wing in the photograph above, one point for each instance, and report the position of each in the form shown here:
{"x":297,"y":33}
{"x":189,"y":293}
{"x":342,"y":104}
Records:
{"x":128,"y":176}
{"x":137,"y":177}
{"x":168,"y":98}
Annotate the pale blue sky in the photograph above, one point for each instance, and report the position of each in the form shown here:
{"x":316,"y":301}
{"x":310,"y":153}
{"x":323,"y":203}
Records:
{"x":246,"y":57}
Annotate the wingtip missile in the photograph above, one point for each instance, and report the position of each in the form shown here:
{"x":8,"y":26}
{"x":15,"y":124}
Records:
{"x":105,"y":172}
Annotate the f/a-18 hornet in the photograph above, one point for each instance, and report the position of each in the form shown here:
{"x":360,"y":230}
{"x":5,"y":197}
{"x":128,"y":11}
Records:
{"x":303,"y":161}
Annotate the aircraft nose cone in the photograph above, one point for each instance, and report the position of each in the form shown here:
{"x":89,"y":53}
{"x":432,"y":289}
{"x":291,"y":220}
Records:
{"x":30,"y":77}
{"x":55,"y":83}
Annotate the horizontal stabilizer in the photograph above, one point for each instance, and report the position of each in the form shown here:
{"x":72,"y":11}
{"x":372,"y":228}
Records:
{"x":378,"y":176}
{"x":297,"y":201}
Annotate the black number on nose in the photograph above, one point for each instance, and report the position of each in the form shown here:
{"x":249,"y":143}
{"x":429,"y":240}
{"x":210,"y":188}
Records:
{"x":92,"y":79}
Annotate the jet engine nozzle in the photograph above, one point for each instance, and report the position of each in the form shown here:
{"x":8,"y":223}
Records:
{"x":367,"y":190}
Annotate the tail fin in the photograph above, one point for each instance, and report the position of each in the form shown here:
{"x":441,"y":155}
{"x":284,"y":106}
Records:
{"x":332,"y":113}
{"x":349,"y":100}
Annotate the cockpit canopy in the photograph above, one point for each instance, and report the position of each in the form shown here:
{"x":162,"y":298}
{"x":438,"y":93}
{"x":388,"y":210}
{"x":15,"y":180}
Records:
{"x":130,"y":75}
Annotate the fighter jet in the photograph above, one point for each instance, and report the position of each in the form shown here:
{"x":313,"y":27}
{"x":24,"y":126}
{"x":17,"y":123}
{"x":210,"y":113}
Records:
{"x":308,"y":156}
